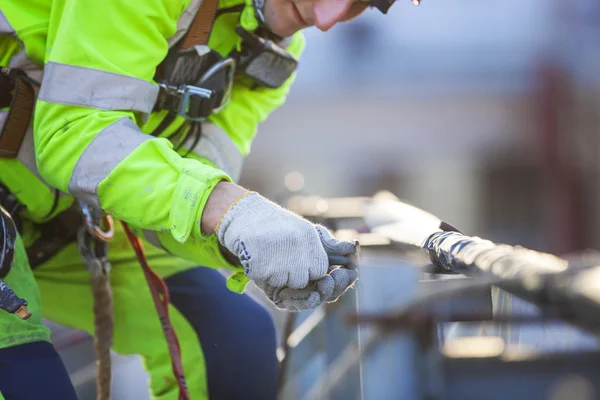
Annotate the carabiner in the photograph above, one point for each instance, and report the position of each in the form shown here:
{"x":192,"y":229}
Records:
{"x":95,"y":224}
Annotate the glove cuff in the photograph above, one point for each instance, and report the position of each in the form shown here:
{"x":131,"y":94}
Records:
{"x":216,"y":228}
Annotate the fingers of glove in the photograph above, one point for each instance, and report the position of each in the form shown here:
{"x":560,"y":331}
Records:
{"x":298,"y":299}
{"x":338,"y":260}
{"x":325,"y":286}
{"x":298,"y":279}
{"x":354,"y":258}
{"x":258,"y":274}
{"x":343,"y":279}
{"x":333,"y":246}
{"x":319,"y":268}
{"x":278,"y":279}
{"x":348,"y":262}
{"x":269,"y":290}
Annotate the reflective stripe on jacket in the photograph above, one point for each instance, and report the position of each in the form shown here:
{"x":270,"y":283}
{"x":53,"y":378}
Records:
{"x":99,"y":60}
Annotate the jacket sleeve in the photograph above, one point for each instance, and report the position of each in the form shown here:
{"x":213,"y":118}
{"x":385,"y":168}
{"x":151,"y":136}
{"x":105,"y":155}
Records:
{"x":239,"y":120}
{"x":97,"y":89}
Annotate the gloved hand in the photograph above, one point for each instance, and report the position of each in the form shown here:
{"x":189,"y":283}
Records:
{"x":277,"y":247}
{"x":326,"y":290}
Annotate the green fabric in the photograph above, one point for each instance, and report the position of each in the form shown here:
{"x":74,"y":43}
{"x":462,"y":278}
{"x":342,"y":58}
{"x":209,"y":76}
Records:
{"x":13,"y":330}
{"x":150,"y":188}
{"x":153,"y":188}
{"x":143,"y":194}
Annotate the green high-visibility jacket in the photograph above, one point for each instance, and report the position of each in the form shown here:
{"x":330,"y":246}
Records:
{"x":94,"y":109}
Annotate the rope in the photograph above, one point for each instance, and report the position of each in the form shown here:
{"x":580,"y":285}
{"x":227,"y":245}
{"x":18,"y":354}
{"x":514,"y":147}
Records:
{"x":92,"y":243}
{"x":103,"y":325}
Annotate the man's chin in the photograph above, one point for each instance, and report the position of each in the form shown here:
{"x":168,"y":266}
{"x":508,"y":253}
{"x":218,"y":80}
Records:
{"x":355,"y":11}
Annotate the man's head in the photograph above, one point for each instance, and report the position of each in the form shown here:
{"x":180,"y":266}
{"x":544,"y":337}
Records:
{"x":285,"y":17}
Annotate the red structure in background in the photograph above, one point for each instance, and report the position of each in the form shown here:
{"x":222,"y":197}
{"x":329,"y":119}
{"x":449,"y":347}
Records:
{"x":564,"y":186}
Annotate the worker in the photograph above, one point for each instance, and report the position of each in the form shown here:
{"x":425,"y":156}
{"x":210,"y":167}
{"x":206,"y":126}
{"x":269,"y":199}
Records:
{"x":120,"y":127}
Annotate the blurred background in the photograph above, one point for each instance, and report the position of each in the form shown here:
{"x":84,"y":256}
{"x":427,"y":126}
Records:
{"x":486,"y":114}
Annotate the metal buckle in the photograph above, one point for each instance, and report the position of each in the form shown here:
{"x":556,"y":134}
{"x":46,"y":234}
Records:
{"x":187,"y":92}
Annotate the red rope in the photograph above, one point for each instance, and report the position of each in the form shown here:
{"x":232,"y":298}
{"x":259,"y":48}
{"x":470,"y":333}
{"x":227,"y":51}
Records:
{"x":158,"y":287}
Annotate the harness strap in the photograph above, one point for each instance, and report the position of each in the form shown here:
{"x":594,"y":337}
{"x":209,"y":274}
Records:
{"x":197,"y":34}
{"x":199,"y":31}
{"x":55,"y":235}
{"x":20,"y":112}
{"x":160,"y":295}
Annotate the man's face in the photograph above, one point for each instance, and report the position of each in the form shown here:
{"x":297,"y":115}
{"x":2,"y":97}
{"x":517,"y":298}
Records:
{"x":285,"y":17}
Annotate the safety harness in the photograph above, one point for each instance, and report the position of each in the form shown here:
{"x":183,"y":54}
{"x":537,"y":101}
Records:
{"x":194,"y":82}
{"x":17,"y":93}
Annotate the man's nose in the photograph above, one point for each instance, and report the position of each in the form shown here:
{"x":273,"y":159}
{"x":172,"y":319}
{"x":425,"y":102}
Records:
{"x":329,"y":12}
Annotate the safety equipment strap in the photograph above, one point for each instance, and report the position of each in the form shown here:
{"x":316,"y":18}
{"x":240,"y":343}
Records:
{"x":21,"y":104}
{"x":199,"y":31}
{"x":197,"y":34}
{"x":160,"y":295}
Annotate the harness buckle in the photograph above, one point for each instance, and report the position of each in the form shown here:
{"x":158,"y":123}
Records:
{"x":208,"y":94}
{"x":194,"y":104}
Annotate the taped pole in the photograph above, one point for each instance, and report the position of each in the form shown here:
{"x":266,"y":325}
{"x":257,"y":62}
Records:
{"x":540,"y":278}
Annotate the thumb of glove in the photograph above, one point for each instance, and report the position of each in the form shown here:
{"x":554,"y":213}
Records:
{"x":339,"y":252}
{"x":325,"y":287}
{"x":343,"y":279}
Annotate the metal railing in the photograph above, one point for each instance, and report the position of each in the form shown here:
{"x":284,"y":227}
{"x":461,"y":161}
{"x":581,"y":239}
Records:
{"x":408,"y":332}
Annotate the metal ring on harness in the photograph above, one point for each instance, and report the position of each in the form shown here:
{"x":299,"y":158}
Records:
{"x":212,"y":71}
{"x":95,"y":229}
{"x":104,"y":235}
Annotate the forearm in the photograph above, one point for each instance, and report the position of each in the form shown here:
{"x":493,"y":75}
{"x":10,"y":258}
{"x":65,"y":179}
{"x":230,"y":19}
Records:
{"x":220,"y":200}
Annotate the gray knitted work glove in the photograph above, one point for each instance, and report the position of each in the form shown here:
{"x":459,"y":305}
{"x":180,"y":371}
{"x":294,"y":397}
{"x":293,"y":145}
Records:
{"x":277,"y":247}
{"x":340,"y":277}
{"x":326,"y":290}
